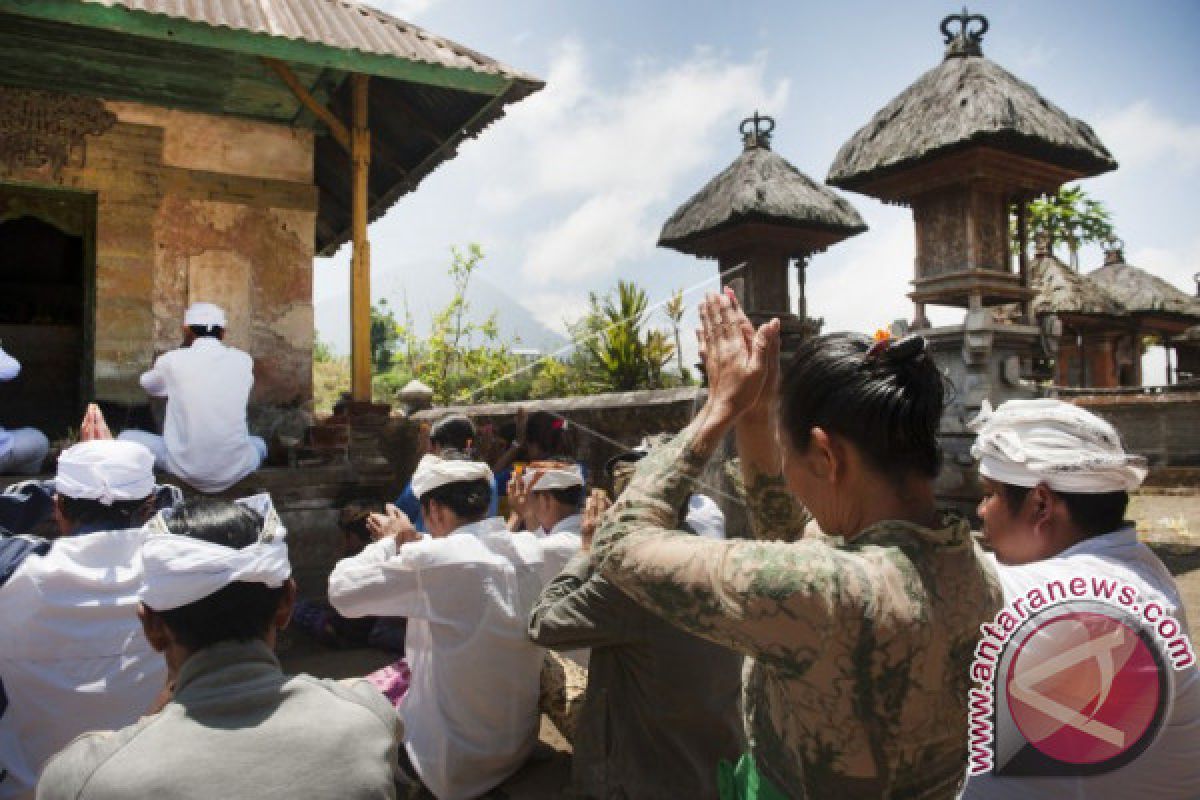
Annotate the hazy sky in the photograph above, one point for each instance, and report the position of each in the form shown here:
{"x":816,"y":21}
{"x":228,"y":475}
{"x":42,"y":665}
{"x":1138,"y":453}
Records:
{"x":643,"y":99}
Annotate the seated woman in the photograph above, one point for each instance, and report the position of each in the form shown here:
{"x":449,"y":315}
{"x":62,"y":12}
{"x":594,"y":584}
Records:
{"x":858,"y":678}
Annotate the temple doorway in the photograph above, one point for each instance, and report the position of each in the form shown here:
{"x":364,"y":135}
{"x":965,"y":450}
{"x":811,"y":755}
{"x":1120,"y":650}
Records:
{"x":47,"y":273}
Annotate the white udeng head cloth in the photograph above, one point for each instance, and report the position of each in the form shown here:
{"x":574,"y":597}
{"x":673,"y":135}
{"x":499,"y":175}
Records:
{"x":435,"y":471}
{"x":558,"y":476}
{"x":206,"y":315}
{"x":180,"y":570}
{"x":1027,"y":442}
{"x":105,"y":470}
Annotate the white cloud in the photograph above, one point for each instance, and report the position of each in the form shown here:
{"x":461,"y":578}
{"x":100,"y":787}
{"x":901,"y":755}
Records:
{"x":601,"y":164}
{"x":1141,"y":136}
{"x":1176,"y":266}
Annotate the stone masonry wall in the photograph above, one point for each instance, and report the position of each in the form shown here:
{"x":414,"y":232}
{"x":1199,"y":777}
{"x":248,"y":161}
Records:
{"x":1163,"y":427}
{"x":197,"y":207}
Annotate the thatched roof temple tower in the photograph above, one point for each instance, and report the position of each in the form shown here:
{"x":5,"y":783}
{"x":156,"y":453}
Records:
{"x":961,"y":145}
{"x":964,"y":146}
{"x":764,"y":213}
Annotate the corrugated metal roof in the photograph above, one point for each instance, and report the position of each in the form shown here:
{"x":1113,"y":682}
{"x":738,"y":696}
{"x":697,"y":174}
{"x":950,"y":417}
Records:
{"x":337,"y":23}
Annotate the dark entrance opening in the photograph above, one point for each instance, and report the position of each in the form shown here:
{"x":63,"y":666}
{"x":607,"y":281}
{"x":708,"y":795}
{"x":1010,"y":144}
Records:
{"x":46,"y":272}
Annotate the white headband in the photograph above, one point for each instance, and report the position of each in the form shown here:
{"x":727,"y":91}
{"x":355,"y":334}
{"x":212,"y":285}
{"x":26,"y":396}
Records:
{"x":1027,"y":442}
{"x":180,"y":570}
{"x":434,"y":471}
{"x":105,"y":470}
{"x":206,"y":315}
{"x":560,"y":476}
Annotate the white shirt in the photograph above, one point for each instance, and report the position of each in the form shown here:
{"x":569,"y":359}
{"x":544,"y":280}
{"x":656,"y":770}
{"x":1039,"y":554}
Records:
{"x":207,"y":387}
{"x":72,"y":654}
{"x":704,"y":517}
{"x":9,"y":369}
{"x":1170,"y":767}
{"x":471,"y":713}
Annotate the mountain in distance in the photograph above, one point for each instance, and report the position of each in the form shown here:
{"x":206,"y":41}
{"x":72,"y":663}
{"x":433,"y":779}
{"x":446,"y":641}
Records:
{"x":428,"y":291}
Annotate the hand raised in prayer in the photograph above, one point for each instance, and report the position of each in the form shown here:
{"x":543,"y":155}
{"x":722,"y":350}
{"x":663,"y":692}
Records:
{"x":94,"y":427}
{"x":393,"y":522}
{"x":737,"y":358}
{"x":597,"y":503}
{"x":520,"y":490}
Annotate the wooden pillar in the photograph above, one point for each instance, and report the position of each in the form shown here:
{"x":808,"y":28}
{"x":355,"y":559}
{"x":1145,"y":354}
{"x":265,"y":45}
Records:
{"x":1023,"y":258}
{"x":360,"y":260}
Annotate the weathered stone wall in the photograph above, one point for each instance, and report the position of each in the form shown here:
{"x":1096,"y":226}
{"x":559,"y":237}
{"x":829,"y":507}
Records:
{"x":197,"y":207}
{"x":1163,"y":427}
{"x":600,"y":426}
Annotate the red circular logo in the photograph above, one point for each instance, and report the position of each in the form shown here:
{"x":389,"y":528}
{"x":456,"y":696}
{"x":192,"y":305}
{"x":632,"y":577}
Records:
{"x":1084,"y":688}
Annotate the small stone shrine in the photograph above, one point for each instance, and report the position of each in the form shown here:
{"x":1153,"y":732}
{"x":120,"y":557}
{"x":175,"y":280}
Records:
{"x":757,"y":218}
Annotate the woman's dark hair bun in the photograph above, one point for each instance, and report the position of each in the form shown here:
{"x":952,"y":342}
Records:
{"x":906,"y":349}
{"x":885,"y":396}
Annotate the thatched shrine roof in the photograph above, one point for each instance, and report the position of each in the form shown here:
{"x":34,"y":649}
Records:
{"x":1062,"y":290}
{"x":759,"y":186}
{"x":426,"y":94}
{"x":1142,"y":292}
{"x":964,"y":101}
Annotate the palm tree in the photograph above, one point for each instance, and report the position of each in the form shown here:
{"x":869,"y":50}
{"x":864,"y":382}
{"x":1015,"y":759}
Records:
{"x":619,"y":348}
{"x":674,"y":309}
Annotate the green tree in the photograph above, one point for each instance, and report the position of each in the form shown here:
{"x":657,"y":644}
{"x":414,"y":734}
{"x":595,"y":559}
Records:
{"x":675,"y":309}
{"x":1069,"y":217}
{"x":322,"y":351}
{"x":461,"y":359}
{"x":619,"y":348}
{"x":385,"y":334}
{"x":658,"y":352}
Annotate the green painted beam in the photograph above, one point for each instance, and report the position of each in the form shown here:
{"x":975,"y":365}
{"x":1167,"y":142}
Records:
{"x":161,"y":28}
{"x":46,"y":55}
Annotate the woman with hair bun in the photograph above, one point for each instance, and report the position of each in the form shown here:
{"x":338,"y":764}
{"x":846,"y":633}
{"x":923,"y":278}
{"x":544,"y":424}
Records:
{"x":860,"y":641}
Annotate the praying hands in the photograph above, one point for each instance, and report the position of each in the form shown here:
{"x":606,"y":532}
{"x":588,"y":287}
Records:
{"x":394,"y":523}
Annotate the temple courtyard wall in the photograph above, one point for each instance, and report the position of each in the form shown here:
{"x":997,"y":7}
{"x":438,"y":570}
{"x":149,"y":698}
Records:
{"x":190,"y":207}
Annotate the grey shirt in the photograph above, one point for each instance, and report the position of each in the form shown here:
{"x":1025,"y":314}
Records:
{"x":239,"y":728}
{"x":661,"y":708}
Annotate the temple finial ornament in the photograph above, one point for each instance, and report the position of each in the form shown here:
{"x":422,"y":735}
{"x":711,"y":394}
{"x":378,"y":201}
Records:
{"x":756,"y":131}
{"x":967,"y":40}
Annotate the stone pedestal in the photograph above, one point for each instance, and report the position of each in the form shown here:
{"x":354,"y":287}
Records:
{"x":368,"y":423}
{"x":980,"y":359}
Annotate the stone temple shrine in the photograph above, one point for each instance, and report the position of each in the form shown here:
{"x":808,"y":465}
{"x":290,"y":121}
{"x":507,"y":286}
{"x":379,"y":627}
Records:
{"x":966,"y":145}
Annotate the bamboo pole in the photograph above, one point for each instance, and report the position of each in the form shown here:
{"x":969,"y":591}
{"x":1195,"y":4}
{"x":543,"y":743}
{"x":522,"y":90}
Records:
{"x":360,"y":262}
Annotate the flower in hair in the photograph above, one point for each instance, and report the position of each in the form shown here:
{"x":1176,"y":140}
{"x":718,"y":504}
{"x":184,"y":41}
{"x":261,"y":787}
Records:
{"x":881,"y":341}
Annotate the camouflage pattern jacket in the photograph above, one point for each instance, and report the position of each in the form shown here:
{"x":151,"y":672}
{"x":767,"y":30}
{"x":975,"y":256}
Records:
{"x":857,"y":680}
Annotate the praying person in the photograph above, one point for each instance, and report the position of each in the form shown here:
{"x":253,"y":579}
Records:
{"x":859,"y":654}
{"x":205,"y":440}
{"x":547,"y":499}
{"x":471,"y":711}
{"x":22,"y":450}
{"x":671,"y":696}
{"x":217,"y":590}
{"x":1056,"y":485}
{"x":72,"y":658}
{"x":453,"y":432}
